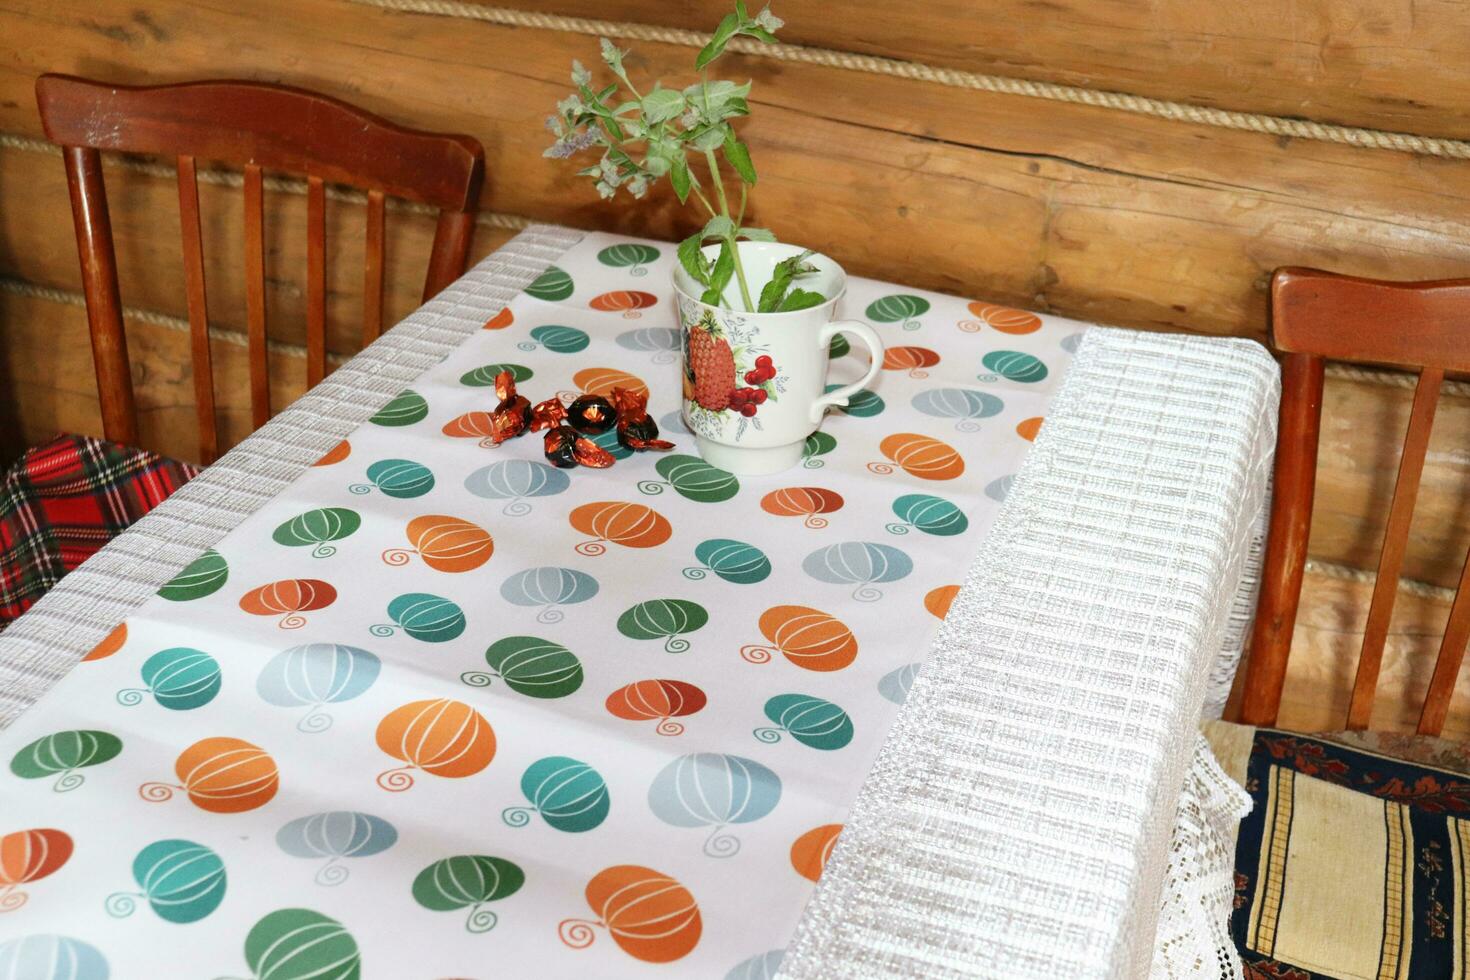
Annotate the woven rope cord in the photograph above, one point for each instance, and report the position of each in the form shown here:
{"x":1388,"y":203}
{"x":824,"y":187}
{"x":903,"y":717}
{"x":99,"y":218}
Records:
{"x":1254,"y":122}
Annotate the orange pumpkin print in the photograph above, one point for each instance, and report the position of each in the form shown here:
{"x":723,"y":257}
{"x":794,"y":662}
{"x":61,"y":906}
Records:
{"x":221,"y":775}
{"x":626,"y":301}
{"x":1028,"y":428}
{"x":1000,"y":318}
{"x":649,"y":915}
{"x":289,"y":598}
{"x":336,"y":454}
{"x":111,"y":643}
{"x":472,"y":425}
{"x":602,"y":381}
{"x":806,"y":502}
{"x":29,"y":855}
{"x":439,"y":736}
{"x":500,"y":320}
{"x":807,"y":637}
{"x":910,"y":359}
{"x":630,"y":525}
{"x":921,"y":456}
{"x":446,"y":544}
{"x":938,"y":600}
{"x":810,"y":852}
{"x":661,"y":699}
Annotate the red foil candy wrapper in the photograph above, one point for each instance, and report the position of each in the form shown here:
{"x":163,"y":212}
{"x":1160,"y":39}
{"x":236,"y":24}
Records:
{"x":636,"y":428}
{"x":592,"y":414}
{"x":512,"y":416}
{"x":548,"y":414}
{"x":565,"y":449}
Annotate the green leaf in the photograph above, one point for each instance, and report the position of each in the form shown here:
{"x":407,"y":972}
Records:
{"x":580,"y":75}
{"x":693,"y":260}
{"x":614,"y":58}
{"x":720,"y":275}
{"x":801,"y":299}
{"x":718,"y":227}
{"x":661,"y":104}
{"x":739,"y":156}
{"x":759,"y":33}
{"x":679,"y":176}
{"x":757,"y":234}
{"x":740,"y":11}
{"x":773,"y":295}
{"x":709,"y":138}
{"x":716,"y":45}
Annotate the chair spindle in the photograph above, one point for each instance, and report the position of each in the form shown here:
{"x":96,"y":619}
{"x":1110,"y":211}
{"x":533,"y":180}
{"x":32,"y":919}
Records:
{"x":372,"y":295}
{"x":316,"y":281}
{"x":200,"y":360}
{"x":260,"y":390}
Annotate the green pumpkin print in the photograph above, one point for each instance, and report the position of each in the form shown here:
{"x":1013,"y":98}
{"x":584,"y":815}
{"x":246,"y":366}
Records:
{"x":899,"y":308}
{"x":531,"y":666}
{"x":316,"y":528}
{"x":468,"y":881}
{"x":633,"y":256}
{"x":62,"y":753}
{"x":406,"y":408}
{"x":203,"y":576}
{"x":693,"y":478}
{"x":299,"y":944}
{"x":484,"y":376}
{"x":665,"y":619}
{"x":553,"y":285}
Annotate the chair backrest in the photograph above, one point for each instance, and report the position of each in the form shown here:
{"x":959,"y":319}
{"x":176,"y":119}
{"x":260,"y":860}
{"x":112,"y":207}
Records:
{"x":1316,"y":316}
{"x":259,"y":127}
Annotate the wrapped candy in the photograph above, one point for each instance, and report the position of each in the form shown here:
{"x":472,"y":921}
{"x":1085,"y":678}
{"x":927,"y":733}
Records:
{"x":636,"y":428}
{"x":565,"y":448}
{"x":592,"y":414}
{"x":513,"y":414}
{"x":548,"y":414}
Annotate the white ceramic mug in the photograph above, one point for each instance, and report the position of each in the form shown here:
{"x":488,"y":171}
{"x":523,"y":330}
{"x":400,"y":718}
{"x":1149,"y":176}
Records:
{"x":754,"y":383}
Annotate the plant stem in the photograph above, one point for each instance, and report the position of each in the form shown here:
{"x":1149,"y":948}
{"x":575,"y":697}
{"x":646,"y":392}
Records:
{"x":702,"y":199}
{"x":714,"y":173}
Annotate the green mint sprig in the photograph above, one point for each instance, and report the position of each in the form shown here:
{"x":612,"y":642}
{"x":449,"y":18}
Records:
{"x":644,"y":138}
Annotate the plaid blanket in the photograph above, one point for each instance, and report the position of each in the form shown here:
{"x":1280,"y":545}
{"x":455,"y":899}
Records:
{"x":61,"y":502}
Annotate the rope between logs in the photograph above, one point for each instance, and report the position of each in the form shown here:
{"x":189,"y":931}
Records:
{"x":1254,"y":122}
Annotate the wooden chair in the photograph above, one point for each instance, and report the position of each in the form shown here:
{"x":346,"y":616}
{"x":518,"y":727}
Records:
{"x":260,"y":127}
{"x":1316,"y":315}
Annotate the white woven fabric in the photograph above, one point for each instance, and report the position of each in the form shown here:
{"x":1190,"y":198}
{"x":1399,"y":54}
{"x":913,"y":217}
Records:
{"x":1193,"y":935}
{"x":41,"y":646}
{"x":1019,"y":819}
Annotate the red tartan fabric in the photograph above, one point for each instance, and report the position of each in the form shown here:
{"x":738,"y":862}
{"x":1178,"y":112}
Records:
{"x":63,"y":501}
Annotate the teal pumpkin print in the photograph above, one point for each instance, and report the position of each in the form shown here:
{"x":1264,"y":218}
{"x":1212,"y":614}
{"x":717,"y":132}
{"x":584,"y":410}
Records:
{"x":570,"y":795}
{"x":468,"y":881}
{"x":203,"y":576}
{"x":734,"y":561}
{"x":817,"y":444}
{"x":179,"y":679}
{"x":484,"y":376}
{"x":548,"y":587}
{"x":531,"y":666}
{"x":839,"y":346}
{"x":863,"y":405}
{"x":958,"y":403}
{"x":1013,"y":366}
{"x":423,"y":616}
{"x":316,"y":528}
{"x":633,"y":256}
{"x":932,"y":515}
{"x":558,"y":339}
{"x":609,"y":441}
{"x":693,"y":478}
{"x":811,"y":721}
{"x":180,"y":880}
{"x":299,"y":944}
{"x":406,"y":408}
{"x":897,"y":308}
{"x":666,"y":619}
{"x":336,"y":835}
{"x":552,"y":285}
{"x":50,"y":957}
{"x":402,"y":479}
{"x":62,"y":753}
{"x":708,"y":789}
{"x":858,"y":563}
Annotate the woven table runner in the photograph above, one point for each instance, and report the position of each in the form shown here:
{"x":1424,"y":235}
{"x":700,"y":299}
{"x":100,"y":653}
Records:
{"x":434,"y":705}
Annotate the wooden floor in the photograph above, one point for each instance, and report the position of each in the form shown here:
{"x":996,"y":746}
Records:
{"x":1324,"y":655}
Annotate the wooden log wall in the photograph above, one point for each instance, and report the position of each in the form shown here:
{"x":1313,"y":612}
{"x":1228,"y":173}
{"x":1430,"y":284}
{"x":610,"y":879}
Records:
{"x":1090,"y":212}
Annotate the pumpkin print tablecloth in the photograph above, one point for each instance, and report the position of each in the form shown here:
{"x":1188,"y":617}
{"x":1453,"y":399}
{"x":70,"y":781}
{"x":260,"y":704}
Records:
{"x":442,"y":710}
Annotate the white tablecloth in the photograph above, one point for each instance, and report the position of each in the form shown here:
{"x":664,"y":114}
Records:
{"x":1019,"y":819}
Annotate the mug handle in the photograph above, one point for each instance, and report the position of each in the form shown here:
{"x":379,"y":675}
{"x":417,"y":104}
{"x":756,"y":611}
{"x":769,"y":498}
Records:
{"x":869,"y":337}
